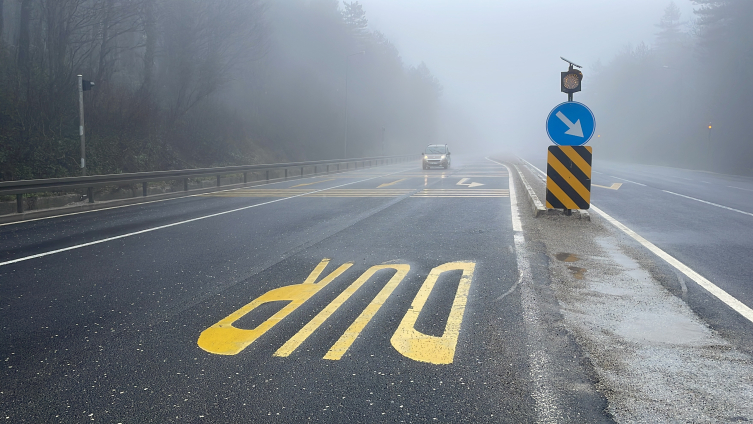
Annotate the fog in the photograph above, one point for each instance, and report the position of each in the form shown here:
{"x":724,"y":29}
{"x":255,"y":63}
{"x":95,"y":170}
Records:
{"x":190,"y":83}
{"x":499,"y":61}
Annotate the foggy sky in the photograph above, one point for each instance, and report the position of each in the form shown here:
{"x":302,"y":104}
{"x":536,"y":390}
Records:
{"x":498,"y":60}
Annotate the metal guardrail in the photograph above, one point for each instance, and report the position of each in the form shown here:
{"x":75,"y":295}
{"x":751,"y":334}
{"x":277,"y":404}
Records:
{"x":90,"y":181}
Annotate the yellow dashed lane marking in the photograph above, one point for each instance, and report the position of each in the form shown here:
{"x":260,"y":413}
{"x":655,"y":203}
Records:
{"x":315,"y":182}
{"x":392,"y":183}
{"x":327,"y":193}
{"x":464,"y":193}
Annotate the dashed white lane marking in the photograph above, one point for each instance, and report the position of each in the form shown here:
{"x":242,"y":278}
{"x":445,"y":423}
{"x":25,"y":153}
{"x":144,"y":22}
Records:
{"x":709,"y":203}
{"x":740,"y":188}
{"x":712,"y":288}
{"x":624,"y":179}
{"x":162,"y":200}
{"x":148,"y":230}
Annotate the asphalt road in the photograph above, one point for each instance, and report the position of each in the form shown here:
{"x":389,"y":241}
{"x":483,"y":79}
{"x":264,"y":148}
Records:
{"x":703,"y":219}
{"x":380,"y":295}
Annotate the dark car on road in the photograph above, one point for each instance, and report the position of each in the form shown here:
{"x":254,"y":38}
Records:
{"x":436,"y":155}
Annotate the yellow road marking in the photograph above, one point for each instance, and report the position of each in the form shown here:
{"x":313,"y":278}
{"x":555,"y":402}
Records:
{"x":328,"y":193}
{"x":432,"y":349}
{"x":463,"y":193}
{"x":301,"y":336}
{"x":614,"y":186}
{"x":224,"y":339}
{"x":351,"y":334}
{"x":315,"y":182}
{"x":392,"y":183}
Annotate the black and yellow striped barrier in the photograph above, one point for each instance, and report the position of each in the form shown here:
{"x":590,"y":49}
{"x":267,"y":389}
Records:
{"x":568,"y":177}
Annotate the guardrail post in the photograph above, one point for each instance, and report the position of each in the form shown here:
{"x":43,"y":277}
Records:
{"x":218,"y":180}
{"x":144,"y":188}
{"x":245,"y":178}
{"x":90,"y":194}
{"x":338,"y":167}
{"x":20,"y":203}
{"x":301,"y":171}
{"x":286,"y":173}
{"x":314,"y":169}
{"x":267,"y":175}
{"x":185,"y":184}
{"x":328,"y":169}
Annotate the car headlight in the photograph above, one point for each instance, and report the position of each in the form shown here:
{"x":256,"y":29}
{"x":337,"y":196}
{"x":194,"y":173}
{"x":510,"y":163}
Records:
{"x":443,"y":156}
{"x":426,"y":157}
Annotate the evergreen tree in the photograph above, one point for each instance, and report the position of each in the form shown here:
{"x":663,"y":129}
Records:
{"x":355,"y":18}
{"x":670,"y":34}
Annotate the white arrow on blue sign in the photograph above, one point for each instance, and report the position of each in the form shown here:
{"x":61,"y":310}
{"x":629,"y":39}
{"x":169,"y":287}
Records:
{"x":570,"y":124}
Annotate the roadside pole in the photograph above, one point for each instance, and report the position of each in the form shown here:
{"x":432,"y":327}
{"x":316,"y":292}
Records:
{"x":570,"y":126}
{"x":81,"y":123}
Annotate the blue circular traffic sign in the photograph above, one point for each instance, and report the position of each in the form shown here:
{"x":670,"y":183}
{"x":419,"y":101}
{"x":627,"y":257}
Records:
{"x":570,"y":124}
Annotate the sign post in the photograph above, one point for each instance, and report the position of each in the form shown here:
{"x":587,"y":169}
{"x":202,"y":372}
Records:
{"x":83,"y":85}
{"x":570,"y":126}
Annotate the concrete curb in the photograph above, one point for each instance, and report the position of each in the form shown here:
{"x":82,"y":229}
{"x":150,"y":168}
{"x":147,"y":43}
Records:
{"x":537,"y":206}
{"x":579,"y":213}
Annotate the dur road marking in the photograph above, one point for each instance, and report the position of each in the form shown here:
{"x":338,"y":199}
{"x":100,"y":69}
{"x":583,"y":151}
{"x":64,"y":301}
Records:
{"x":710,"y":287}
{"x":148,"y":230}
{"x":223,"y":338}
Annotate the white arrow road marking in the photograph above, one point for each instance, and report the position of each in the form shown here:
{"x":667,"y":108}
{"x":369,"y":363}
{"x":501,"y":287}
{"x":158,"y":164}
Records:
{"x":615,"y":186}
{"x":575,"y":129}
{"x":470,"y":185}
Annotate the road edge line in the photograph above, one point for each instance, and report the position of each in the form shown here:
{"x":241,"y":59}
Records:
{"x":710,"y":287}
{"x":148,"y":230}
{"x":548,"y":404}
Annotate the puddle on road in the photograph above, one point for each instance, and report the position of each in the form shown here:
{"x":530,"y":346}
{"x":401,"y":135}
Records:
{"x":566,"y":257}
{"x":578,"y":273}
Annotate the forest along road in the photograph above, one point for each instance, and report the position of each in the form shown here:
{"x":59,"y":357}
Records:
{"x":703,"y":219}
{"x":380,"y":295}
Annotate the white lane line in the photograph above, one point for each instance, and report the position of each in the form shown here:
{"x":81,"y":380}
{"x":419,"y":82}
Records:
{"x":547,"y":403}
{"x":162,"y":200}
{"x":623,"y":179}
{"x":712,"y":288}
{"x":597,"y":172}
{"x":543,"y":174}
{"x":740,"y":188}
{"x":148,"y":230}
{"x":710,"y":203}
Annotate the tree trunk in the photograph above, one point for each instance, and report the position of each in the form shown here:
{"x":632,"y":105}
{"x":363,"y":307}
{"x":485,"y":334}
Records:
{"x":1,"y":20}
{"x":23,"y":34}
{"x":150,"y":31}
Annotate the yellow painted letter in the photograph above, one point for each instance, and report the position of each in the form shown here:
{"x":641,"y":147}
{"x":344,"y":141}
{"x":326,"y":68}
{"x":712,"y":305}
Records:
{"x":423,"y":347}
{"x":352,"y":333}
{"x":224,"y":339}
